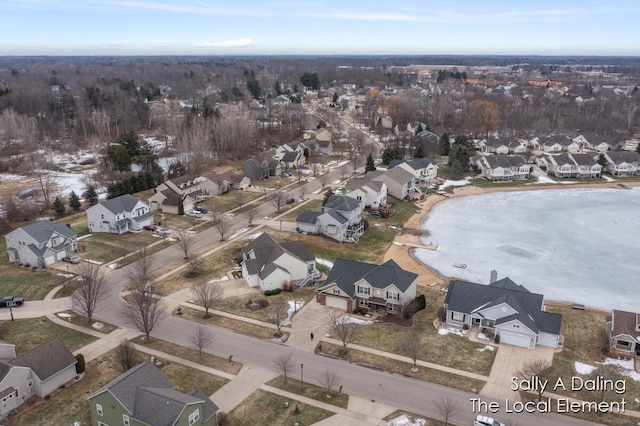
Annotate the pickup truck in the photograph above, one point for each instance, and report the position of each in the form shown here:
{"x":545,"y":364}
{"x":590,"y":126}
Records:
{"x":10,"y":301}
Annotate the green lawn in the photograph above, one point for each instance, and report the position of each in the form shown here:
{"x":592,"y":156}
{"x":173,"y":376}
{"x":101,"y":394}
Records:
{"x":267,"y":409}
{"x":26,"y":282}
{"x":29,"y":333}
{"x":107,"y":247}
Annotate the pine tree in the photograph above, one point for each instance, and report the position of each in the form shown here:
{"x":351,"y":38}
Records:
{"x":370,"y":167}
{"x":58,"y":206}
{"x":74,"y":201}
{"x":335,"y":97}
{"x":443,"y":145}
{"x":603,"y":161}
{"x":418,"y":152}
{"x":390,"y":154}
{"x":328,"y":194}
{"x":90,"y":195}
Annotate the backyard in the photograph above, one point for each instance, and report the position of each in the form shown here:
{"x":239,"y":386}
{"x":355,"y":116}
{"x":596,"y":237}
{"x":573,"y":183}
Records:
{"x":29,"y":333}
{"x":26,"y":282}
{"x":107,"y":247}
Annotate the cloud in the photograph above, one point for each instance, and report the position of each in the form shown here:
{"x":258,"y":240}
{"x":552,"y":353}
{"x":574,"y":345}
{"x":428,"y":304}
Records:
{"x":241,"y":42}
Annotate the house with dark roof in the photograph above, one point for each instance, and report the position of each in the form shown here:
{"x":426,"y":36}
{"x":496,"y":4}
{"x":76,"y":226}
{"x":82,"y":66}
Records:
{"x":119,"y":215}
{"x":400,"y":182}
{"x":623,"y":330}
{"x":366,"y":286}
{"x":41,"y":243}
{"x":371,"y":194}
{"x":560,"y":143}
{"x":503,"y":308}
{"x":182,"y":193}
{"x":271,"y":264}
{"x":340,"y":219}
{"x":505,"y":145}
{"x":502,"y":168}
{"x":600,"y":143}
{"x":261,"y":167}
{"x":144,"y":396}
{"x":424,"y":169}
{"x":622,"y":163}
{"x":39,"y":371}
{"x":230,"y":180}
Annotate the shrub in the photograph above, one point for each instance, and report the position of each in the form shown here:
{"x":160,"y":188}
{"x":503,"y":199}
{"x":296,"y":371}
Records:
{"x":222,"y":418}
{"x":272,"y":292}
{"x":497,"y":339}
{"x":80,"y":366}
{"x":442,"y":313}
{"x":465,"y":326}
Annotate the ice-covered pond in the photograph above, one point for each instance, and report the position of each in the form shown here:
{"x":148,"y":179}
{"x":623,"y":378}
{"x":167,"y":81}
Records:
{"x":577,"y":245}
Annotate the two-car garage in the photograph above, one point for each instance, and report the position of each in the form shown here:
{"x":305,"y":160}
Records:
{"x":517,"y":339}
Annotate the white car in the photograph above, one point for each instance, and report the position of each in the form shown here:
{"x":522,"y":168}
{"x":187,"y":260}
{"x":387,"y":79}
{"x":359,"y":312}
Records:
{"x":193,"y":213}
{"x":163,"y":231}
{"x":486,"y":421}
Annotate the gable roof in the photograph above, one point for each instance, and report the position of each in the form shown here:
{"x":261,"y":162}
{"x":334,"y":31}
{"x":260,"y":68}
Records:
{"x":209,"y":408}
{"x":584,"y":159}
{"x":47,"y":359}
{"x":123,"y":203}
{"x":623,"y":156}
{"x":290,"y":156}
{"x":504,"y":161}
{"x":266,"y":249}
{"x":160,"y":406}
{"x":467,"y":297}
{"x":556,"y":139}
{"x":341,"y":203}
{"x":397,"y":174}
{"x":345,"y":273}
{"x":42,"y":231}
{"x":308,"y":216}
{"x":414,"y":163}
{"x":623,"y":322}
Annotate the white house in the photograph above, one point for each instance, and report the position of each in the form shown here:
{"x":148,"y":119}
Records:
{"x":400,"y":182}
{"x":41,"y":243}
{"x":622,"y":163}
{"x":424,"y":170}
{"x":119,"y":215}
{"x":371,"y":194}
{"x":271,"y":264}
{"x":502,"y":168}
{"x":503,"y":308}
{"x":340,"y":219}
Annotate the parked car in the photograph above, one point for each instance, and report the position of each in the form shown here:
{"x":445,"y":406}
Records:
{"x":193,"y":213}
{"x":10,"y":301}
{"x":150,"y":228}
{"x":291,"y":201}
{"x":486,"y":421}
{"x":163,"y":231}
{"x":71,"y":259}
{"x":202,"y":210}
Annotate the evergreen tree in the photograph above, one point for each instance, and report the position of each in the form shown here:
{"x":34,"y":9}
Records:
{"x":277,"y":88}
{"x":390,"y":154}
{"x":131,"y":142}
{"x":370,"y":167}
{"x":74,"y":201}
{"x":418,"y":153}
{"x":310,"y":80}
{"x":335,"y":97}
{"x":90,"y":195}
{"x":112,"y":190}
{"x":459,"y":157}
{"x":443,"y":145}
{"x":134,"y":186}
{"x":58,"y":207}
{"x":328,"y":194}
{"x":603,"y":161}
{"x":254,"y":88}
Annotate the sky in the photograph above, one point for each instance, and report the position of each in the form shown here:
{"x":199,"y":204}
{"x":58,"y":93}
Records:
{"x":297,"y":27}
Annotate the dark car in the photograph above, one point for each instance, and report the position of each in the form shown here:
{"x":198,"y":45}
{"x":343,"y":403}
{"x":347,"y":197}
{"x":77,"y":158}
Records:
{"x":150,"y":228}
{"x":201,"y":209}
{"x":10,"y":301}
{"x":291,"y":200}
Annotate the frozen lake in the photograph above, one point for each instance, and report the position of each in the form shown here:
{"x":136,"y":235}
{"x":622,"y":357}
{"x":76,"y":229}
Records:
{"x":576,"y":245}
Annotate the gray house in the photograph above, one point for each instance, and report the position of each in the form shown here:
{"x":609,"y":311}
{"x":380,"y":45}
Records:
{"x":119,"y":215}
{"x":340,"y":219}
{"x":261,"y":167}
{"x":503,"y":308}
{"x":41,"y":243}
{"x":144,"y":396}
{"x":400,"y":182}
{"x":623,"y":330}
{"x":39,"y":371}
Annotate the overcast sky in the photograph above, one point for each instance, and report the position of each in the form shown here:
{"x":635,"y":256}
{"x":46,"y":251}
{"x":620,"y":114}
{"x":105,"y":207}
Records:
{"x":243,"y":27}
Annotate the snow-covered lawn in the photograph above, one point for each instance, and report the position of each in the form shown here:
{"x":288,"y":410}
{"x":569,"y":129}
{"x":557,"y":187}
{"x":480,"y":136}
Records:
{"x":482,"y":336}
{"x":217,"y":280}
{"x":543,"y":180}
{"x":294,"y":306}
{"x":608,"y":178}
{"x":582,"y":368}
{"x":324,"y":262}
{"x":450,"y":330}
{"x":625,"y":367}
{"x":404,"y":420}
{"x":461,"y":182}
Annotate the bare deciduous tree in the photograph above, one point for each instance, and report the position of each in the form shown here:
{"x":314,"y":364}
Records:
{"x":539,"y":367}
{"x":411,"y":345}
{"x":324,"y":179}
{"x":446,"y":406}
{"x":329,"y":379}
{"x":222,"y":225}
{"x":277,"y":198}
{"x":277,"y":313}
{"x":201,"y":337}
{"x":93,"y":290}
{"x":126,"y":355}
{"x":285,"y":364}
{"x":239,"y":198}
{"x":185,"y":241}
{"x":206,"y":295}
{"x":303,"y":191}
{"x":344,"y":329}
{"x":251,"y":215}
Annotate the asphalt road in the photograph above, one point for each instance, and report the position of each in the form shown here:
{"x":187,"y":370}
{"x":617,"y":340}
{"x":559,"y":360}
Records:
{"x":406,"y":393}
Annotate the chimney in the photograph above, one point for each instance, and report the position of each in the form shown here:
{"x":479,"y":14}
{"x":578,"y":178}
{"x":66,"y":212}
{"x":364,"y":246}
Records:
{"x":494,"y":276}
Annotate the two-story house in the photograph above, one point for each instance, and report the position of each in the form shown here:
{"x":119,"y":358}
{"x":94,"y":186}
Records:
{"x":261,"y":166}
{"x":622,"y":163}
{"x":371,"y":194}
{"x":340,"y":219}
{"x":400,"y":182}
{"x":424,"y":170}
{"x":502,"y":168}
{"x":271,"y":264}
{"x":623,"y":330}
{"x":505,"y":145}
{"x":41,"y":243}
{"x":375,"y":288}
{"x":600,"y":143}
{"x":119,"y":215}
{"x":144,"y":396}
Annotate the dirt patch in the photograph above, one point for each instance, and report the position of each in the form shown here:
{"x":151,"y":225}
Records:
{"x":256,"y":305}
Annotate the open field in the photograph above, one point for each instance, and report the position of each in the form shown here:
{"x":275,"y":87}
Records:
{"x":266,"y":409}
{"x":29,"y":333}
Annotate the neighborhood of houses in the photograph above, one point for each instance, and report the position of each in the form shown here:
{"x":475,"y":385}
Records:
{"x":502,"y":310}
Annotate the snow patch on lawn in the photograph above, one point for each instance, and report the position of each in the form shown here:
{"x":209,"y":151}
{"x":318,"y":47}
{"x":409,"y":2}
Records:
{"x":482,"y":336}
{"x":324,"y":262}
{"x":543,"y":180}
{"x":217,"y":280}
{"x":345,"y":319}
{"x":582,"y":368}
{"x":294,"y":306}
{"x":450,"y":330}
{"x":404,"y":420}
{"x":608,"y":178}
{"x":486,"y":348}
{"x":625,"y":367}
{"x":461,"y":182}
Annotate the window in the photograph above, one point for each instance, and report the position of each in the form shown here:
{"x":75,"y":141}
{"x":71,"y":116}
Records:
{"x":99,"y":409}
{"x":363,"y":290}
{"x":336,"y":291}
{"x":194,"y":417}
{"x":457,"y":316}
{"x":102,"y":424}
{"x":392,"y":295}
{"x":125,"y":420}
{"x":392,"y":308}
{"x":29,"y":384}
{"x":623,"y":343}
{"x":364,"y":302}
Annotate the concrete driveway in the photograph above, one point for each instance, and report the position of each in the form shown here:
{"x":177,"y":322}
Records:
{"x":509,"y":359}
{"x":312,"y":318}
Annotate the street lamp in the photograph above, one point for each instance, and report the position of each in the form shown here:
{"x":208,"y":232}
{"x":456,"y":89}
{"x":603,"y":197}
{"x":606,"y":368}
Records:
{"x":301,"y":377}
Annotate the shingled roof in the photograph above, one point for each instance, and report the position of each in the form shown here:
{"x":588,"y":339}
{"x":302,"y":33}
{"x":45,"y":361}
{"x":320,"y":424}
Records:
{"x":266,"y":249}
{"x":123,"y":203}
{"x":47,"y":359}
{"x":42,"y":231}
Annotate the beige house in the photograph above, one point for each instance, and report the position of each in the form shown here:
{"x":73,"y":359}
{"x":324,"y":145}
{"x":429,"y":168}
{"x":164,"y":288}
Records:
{"x":623,"y":330}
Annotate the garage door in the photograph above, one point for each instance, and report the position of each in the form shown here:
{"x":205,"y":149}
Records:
{"x":515,"y":339}
{"x":335,"y":302}
{"x":550,"y":340}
